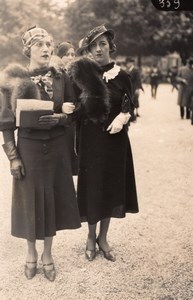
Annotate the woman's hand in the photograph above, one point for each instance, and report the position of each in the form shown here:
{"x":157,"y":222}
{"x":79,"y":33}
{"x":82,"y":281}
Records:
{"x":115,"y":126}
{"x":16,"y":165}
{"x":184,"y":81}
{"x":118,"y":122}
{"x":17,"y":168}
{"x":53,"y":120}
{"x":68,"y":107}
{"x":49,"y":120}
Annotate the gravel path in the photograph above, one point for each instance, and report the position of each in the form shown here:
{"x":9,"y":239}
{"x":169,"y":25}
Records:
{"x":154,"y":248}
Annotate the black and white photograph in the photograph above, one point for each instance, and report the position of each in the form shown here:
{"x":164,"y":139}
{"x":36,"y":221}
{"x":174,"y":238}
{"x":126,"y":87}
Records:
{"x":96,"y":149}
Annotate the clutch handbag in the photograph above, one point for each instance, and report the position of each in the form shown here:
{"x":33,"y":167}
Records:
{"x":29,"y":119}
{"x":28,"y":112}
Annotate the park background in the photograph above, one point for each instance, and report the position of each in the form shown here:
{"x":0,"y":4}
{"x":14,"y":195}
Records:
{"x":142,"y":31}
{"x":154,"y":248}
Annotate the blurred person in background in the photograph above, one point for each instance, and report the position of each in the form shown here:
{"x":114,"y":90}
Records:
{"x":191,"y":107}
{"x":106,"y":180}
{"x":155,"y":78}
{"x":172,"y":77}
{"x":66,"y":53}
{"x":185,"y":92}
{"x":44,"y":198}
{"x":136,"y":81}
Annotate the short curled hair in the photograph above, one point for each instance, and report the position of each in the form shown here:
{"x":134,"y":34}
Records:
{"x":112,"y":45}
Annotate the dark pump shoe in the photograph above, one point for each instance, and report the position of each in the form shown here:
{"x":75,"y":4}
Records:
{"x":50,"y":274}
{"x":107,"y":254}
{"x":90,"y":254}
{"x":30,"y":272}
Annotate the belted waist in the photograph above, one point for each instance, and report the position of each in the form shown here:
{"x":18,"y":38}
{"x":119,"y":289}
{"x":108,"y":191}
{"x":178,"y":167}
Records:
{"x":41,"y":134}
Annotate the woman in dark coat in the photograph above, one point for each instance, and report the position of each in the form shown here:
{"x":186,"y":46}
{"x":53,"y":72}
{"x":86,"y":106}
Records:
{"x":185,"y":92}
{"x":106,"y":181}
{"x":44,"y":198}
{"x":135,"y":75}
{"x":66,"y":52}
{"x":155,"y":78}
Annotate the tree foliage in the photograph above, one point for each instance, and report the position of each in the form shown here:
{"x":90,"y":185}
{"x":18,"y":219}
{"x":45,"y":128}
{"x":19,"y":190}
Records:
{"x":140,"y":28}
{"x":16,"y":16}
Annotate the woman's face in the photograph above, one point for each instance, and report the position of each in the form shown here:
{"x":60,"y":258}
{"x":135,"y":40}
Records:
{"x":99,"y":49}
{"x":41,"y":52}
{"x":70,"y":55}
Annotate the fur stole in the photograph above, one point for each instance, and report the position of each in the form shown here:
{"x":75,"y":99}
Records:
{"x":15,"y":83}
{"x":94,"y":96}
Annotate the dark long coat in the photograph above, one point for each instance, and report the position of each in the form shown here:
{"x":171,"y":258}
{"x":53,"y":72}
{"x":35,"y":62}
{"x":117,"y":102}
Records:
{"x":44,"y":201}
{"x":185,"y":92}
{"x":136,"y":83}
{"x":106,"y":180}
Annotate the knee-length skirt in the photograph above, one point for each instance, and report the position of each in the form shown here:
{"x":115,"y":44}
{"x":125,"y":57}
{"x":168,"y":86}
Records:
{"x":44,"y":201}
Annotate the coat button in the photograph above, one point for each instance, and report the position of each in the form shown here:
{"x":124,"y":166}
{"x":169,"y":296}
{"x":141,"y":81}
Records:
{"x":45,"y":149}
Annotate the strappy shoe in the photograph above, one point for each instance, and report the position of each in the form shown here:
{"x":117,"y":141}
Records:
{"x":50,"y":274}
{"x":107,"y":254}
{"x":30,"y":272}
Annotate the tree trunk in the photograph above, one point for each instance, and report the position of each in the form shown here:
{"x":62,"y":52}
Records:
{"x":139,"y":59}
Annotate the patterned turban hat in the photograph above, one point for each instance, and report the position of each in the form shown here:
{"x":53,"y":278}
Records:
{"x":32,"y":36}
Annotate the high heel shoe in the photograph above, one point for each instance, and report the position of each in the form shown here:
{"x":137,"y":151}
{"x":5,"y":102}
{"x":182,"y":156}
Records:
{"x":50,"y":274}
{"x":107,"y":254}
{"x":30,"y":272}
{"x":90,"y":254}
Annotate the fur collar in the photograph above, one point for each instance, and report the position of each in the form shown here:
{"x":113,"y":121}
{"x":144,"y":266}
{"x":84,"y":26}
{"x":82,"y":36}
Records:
{"x":15,"y":83}
{"x":94,"y":96}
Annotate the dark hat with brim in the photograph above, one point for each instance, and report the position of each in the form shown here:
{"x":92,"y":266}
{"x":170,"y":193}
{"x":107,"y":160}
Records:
{"x":82,"y":46}
{"x":92,"y":36}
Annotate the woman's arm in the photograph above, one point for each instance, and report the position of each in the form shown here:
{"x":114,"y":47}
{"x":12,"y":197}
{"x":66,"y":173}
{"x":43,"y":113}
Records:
{"x":69,"y":92}
{"x":127,"y":107}
{"x":9,"y":147}
{"x":77,"y":108}
{"x":127,"y":102}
